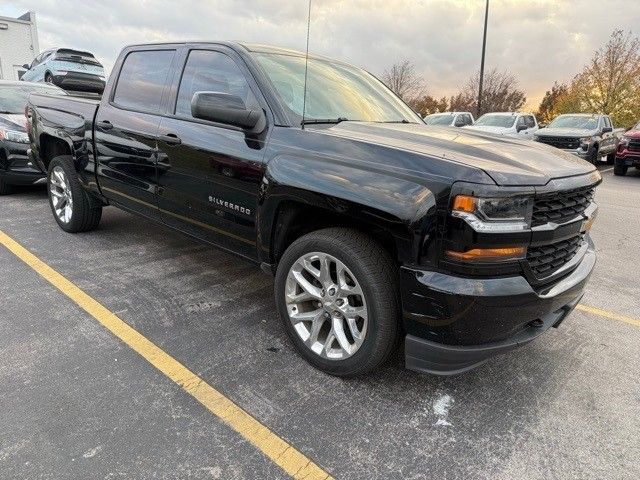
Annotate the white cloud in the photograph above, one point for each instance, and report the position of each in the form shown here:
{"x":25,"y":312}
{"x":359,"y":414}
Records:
{"x":539,"y":41}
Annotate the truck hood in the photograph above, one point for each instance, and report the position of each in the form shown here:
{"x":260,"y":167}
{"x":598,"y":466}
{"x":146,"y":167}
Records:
{"x":508,"y":161}
{"x":14,"y":121}
{"x":632,"y":134}
{"x":565,"y":132}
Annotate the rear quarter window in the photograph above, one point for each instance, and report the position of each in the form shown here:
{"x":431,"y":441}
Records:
{"x":142,"y":80}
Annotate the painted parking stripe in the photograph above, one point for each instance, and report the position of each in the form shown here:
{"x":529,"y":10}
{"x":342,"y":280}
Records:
{"x":292,"y":461}
{"x":609,"y":315}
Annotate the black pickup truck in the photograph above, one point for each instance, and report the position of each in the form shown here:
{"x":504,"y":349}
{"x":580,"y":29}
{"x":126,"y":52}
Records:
{"x":377,"y":227}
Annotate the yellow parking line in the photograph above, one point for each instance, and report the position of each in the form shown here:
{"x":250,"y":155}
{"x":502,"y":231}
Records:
{"x":609,"y":315}
{"x":295,"y":463}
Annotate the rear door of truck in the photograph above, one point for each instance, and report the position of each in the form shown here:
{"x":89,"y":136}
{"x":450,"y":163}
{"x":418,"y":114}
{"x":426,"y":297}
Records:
{"x":126,"y":127}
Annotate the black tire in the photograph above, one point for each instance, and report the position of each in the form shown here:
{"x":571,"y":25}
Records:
{"x":620,"y":169}
{"x":611,"y":158}
{"x":592,"y":155}
{"x":5,"y":188}
{"x":377,"y":275}
{"x":86,"y":211}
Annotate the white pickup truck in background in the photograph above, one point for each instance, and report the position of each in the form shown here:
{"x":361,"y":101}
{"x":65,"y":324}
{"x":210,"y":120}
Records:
{"x":449,"y":119}
{"x":511,"y":124}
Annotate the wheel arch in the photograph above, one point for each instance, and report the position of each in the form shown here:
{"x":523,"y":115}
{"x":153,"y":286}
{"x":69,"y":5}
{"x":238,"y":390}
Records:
{"x":297,"y":199}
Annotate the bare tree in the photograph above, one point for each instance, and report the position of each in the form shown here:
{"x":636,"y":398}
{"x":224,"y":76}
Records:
{"x":403,"y":80}
{"x":500,"y":93}
{"x":610,"y":83}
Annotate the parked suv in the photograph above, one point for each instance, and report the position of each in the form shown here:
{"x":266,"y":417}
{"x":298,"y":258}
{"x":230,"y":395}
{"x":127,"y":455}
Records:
{"x":511,"y":124}
{"x":376,"y":227}
{"x":68,"y":69}
{"x":628,"y":153}
{"x":449,"y":119}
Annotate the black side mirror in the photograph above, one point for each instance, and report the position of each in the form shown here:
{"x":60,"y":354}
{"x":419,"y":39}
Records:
{"x":224,"y":108}
{"x":607,"y":129}
{"x":26,"y":67}
{"x":520,"y":128}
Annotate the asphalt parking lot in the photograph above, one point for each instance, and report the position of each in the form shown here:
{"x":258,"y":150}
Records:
{"x":78,"y":402}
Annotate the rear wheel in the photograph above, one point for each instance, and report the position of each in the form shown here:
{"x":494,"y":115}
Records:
{"x":611,"y":158}
{"x":337,"y":296}
{"x":5,"y":188}
{"x":71,"y":205}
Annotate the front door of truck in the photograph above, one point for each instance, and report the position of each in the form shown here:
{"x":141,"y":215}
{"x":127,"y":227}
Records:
{"x":126,"y":129}
{"x":209,"y":174}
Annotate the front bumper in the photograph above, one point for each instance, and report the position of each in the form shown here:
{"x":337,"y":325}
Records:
{"x":454,"y":324}
{"x":81,"y":82}
{"x":629,"y":158}
{"x":16,"y":167}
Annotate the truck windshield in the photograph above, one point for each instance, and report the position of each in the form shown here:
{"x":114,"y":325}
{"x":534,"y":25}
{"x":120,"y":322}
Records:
{"x":504,"y":121}
{"x":575,"y":121}
{"x":334,"y":91}
{"x":444,"y":119}
{"x":13,"y":98}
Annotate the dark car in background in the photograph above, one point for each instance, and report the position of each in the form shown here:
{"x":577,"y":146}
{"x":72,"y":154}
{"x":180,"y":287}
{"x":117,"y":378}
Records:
{"x":15,"y":168}
{"x":628,"y":153}
{"x":69,"y":69}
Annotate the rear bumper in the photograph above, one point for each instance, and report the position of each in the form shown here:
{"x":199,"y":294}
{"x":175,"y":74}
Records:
{"x":82,"y":82}
{"x":454,"y":324}
{"x":16,"y":167}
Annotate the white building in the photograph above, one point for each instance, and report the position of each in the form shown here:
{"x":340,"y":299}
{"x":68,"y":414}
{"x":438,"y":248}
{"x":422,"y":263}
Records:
{"x":18,"y":44}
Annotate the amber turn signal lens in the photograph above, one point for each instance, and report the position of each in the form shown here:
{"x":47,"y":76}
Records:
{"x":488,"y":254}
{"x":464,"y":203}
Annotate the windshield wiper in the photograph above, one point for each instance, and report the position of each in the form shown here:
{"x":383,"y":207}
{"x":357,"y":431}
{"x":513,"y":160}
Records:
{"x":8,"y":112}
{"x":404,"y":120}
{"x":318,"y":121}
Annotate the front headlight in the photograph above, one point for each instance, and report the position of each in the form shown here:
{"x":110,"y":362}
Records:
{"x":14,"y":136}
{"x":585,"y":139}
{"x":509,"y":214}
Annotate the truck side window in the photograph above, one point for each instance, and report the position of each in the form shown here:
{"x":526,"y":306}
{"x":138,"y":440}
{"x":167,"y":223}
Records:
{"x":520,"y":122}
{"x":209,"y":71}
{"x":607,"y":122}
{"x":530,"y":121}
{"x":467,"y":119}
{"x":142,"y":79}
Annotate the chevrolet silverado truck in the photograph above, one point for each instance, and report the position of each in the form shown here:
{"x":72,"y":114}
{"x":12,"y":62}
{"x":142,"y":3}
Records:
{"x":588,"y":136}
{"x":377,"y":228}
{"x":628,"y":154}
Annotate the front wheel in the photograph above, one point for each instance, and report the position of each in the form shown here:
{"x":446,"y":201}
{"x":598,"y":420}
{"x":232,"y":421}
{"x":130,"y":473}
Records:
{"x":5,"y":188}
{"x":71,"y":205}
{"x":611,"y":158}
{"x":337,"y":295}
{"x":620,"y":169}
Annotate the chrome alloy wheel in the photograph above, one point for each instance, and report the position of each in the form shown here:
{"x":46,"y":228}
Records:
{"x":60,"y":193}
{"x":326,"y":306}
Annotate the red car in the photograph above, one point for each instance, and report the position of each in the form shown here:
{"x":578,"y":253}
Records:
{"x":628,"y":154}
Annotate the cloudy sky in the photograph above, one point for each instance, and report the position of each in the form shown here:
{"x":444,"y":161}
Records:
{"x":539,"y":41}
